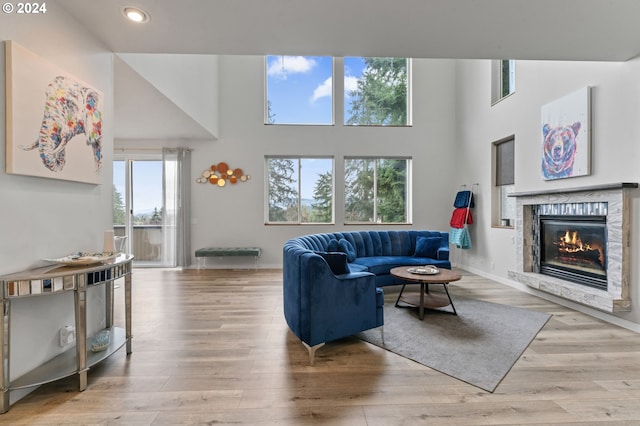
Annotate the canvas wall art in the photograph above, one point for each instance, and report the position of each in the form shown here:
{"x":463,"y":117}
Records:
{"x":566,"y":136}
{"x":54,"y":120}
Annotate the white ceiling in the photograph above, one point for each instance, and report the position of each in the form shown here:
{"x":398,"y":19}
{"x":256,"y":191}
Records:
{"x":582,"y":30}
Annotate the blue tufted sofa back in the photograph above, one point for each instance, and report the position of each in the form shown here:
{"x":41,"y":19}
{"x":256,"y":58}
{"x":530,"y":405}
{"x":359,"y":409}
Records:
{"x":370,"y":243}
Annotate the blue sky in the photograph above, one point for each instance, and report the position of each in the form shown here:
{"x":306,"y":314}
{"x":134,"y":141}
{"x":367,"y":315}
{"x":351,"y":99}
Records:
{"x":147,"y":182}
{"x":310,"y":170}
{"x":300,"y":88}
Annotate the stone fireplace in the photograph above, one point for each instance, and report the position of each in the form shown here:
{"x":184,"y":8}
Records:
{"x":574,"y":243}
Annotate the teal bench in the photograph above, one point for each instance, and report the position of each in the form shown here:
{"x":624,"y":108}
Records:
{"x":203,"y":253}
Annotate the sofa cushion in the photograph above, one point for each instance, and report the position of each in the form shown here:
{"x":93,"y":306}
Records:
{"x":346,"y":247}
{"x":356,"y":267}
{"x":337,"y":262}
{"x":333,"y":245}
{"x":381,"y":265}
{"x":427,"y":247}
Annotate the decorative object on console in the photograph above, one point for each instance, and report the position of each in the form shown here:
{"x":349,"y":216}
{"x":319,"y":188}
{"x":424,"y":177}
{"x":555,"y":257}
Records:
{"x":85,"y":258}
{"x":100,"y":340}
{"x":67,"y":136}
{"x":566,"y":136}
{"x":219,"y":174}
{"x":108,"y":244}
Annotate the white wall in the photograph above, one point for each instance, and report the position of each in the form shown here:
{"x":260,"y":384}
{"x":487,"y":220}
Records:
{"x":46,"y":218}
{"x":615,"y":136}
{"x":234,"y":215}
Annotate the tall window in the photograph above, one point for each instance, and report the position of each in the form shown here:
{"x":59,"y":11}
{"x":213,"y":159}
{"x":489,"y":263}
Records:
{"x":505,"y":212}
{"x":299,"y":190}
{"x":377,"y":190}
{"x":299,"y":90}
{"x":376,"y":91}
{"x":503,"y":79}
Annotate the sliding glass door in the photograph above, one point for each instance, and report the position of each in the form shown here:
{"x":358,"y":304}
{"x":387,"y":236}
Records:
{"x":138,"y":211}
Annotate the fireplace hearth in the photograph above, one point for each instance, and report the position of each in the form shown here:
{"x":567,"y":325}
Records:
{"x":594,"y":244}
{"x":574,"y":248}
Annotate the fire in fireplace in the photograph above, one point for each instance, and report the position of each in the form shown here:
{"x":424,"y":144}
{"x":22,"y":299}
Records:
{"x":574,"y":248}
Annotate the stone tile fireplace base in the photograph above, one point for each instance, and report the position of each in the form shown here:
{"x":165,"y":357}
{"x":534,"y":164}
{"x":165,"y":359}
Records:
{"x":610,"y":200}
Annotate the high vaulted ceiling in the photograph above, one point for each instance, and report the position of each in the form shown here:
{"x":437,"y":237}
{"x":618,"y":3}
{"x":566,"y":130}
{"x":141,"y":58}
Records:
{"x":580,"y":30}
{"x":600,"y":30}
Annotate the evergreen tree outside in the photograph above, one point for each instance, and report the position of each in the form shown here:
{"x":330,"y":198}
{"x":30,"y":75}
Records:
{"x":300,"y":190}
{"x":283,"y":190}
{"x":118,"y":208}
{"x":392,"y":191}
{"x":271,"y":117}
{"x":322,"y":206}
{"x":156,"y":217}
{"x":376,"y":190}
{"x":359,"y":194}
{"x":380,"y":98}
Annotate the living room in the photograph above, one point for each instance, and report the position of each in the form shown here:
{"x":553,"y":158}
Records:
{"x":450,"y":143}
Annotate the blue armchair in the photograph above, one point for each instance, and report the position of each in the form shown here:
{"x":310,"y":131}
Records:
{"x":321,"y":306}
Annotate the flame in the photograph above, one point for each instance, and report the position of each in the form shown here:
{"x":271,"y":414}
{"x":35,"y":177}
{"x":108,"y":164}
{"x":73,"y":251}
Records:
{"x":571,"y":242}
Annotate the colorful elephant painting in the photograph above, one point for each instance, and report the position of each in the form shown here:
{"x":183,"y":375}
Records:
{"x":70,"y":109}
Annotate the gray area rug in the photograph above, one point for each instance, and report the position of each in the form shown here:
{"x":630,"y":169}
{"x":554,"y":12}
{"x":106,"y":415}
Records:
{"x":478,"y":346}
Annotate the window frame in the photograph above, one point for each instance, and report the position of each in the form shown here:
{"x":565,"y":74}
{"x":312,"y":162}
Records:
{"x":500,"y":79}
{"x":408,"y":202}
{"x":299,"y":204}
{"x":503,"y":182}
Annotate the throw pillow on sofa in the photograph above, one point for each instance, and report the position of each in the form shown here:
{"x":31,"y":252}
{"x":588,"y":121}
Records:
{"x":333,"y":245}
{"x":427,"y":247}
{"x":337,"y":262}
{"x":346,"y":247}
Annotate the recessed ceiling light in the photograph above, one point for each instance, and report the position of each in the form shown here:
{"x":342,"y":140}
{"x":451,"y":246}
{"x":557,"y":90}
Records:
{"x":136,"y":15}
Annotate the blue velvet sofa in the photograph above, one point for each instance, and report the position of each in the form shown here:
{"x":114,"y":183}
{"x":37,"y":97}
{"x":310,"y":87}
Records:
{"x":332,"y":282}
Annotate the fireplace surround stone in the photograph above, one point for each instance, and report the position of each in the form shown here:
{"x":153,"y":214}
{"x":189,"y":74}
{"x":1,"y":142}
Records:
{"x":614,"y":201}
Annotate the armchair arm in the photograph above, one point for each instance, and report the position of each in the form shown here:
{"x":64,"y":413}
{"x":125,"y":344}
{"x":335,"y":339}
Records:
{"x":332,"y":307}
{"x":443,"y":253}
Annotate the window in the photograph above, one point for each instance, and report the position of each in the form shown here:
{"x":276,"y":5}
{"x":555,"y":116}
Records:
{"x":505,"y":212}
{"x":376,"y":91}
{"x":503,"y":79}
{"x":299,"y":90}
{"x":377,"y":190}
{"x":299,"y":190}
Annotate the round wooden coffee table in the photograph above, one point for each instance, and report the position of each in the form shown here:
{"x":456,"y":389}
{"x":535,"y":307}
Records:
{"x":425,"y":299}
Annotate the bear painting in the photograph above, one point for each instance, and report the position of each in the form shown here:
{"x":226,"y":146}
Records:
{"x":559,"y":150}
{"x":566,"y":136}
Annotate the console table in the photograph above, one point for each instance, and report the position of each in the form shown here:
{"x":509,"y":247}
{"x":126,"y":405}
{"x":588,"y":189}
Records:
{"x":78,"y":359}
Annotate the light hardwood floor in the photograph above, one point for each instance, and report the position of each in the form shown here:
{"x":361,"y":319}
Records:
{"x":212,"y":347}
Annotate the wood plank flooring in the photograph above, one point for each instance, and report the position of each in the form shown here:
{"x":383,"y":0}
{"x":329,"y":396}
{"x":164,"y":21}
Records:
{"x":212,"y":347}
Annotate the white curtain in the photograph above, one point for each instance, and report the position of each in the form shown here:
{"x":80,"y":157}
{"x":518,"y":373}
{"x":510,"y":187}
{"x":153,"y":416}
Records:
{"x":176,"y":192}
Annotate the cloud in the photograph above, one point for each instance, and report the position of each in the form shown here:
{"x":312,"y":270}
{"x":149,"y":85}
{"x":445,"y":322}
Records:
{"x":324,"y":90}
{"x":350,"y":84}
{"x":280,"y":66}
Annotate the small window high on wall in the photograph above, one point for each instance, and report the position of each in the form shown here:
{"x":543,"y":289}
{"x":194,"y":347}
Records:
{"x":503,"y":79}
{"x":377,"y":91}
{"x":504,"y":209}
{"x":299,"y":90}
